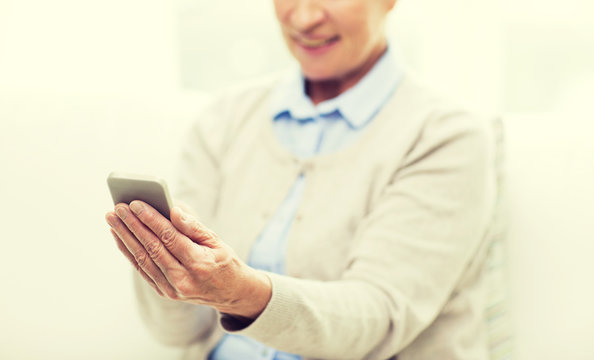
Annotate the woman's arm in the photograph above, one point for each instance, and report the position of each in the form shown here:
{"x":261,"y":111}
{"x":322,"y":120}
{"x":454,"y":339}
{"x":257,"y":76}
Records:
{"x":409,"y":254}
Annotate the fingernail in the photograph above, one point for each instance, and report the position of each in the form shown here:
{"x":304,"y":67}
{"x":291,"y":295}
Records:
{"x":136,"y":207}
{"x":121,"y":213}
{"x":110,"y":220}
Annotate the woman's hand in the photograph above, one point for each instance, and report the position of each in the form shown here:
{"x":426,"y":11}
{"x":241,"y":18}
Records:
{"x":183,"y":260}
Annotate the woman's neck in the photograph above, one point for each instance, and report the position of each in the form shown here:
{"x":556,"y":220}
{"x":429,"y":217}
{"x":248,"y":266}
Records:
{"x":322,"y":90}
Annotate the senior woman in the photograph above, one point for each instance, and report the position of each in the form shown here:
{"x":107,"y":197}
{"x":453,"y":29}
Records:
{"x":350,"y":205}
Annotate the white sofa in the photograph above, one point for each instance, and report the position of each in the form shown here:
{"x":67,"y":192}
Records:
{"x":69,"y":293}
{"x":550,"y":172}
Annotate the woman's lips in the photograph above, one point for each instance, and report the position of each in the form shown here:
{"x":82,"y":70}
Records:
{"x":313,"y":45}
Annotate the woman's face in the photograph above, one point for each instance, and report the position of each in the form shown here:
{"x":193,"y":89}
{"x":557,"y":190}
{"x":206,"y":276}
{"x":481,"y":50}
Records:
{"x":333,"y":39}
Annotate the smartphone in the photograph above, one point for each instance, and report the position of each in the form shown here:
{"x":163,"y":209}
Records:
{"x":125,"y":188}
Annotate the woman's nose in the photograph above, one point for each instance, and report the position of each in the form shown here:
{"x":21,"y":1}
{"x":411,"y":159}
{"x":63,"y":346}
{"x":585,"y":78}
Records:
{"x":307,"y":15}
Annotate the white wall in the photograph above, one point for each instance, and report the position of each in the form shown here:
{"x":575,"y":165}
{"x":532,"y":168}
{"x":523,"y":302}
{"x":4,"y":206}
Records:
{"x":455,"y":46}
{"x":85,"y":88}
{"x":90,"y":46}
{"x":550,"y":172}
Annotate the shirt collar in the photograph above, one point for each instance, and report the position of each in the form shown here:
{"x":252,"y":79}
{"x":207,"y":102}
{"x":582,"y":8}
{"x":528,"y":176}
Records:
{"x":357,"y":105}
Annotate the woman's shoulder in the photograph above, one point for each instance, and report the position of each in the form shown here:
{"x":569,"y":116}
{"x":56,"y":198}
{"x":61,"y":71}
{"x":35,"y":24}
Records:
{"x":436,"y":111}
{"x":427,"y":97}
{"x":435,"y":126}
{"x":226,"y":104}
{"x":247,"y":92}
{"x":227,"y":111}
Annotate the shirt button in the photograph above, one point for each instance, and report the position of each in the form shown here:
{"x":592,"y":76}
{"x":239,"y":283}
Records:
{"x":306,"y":167}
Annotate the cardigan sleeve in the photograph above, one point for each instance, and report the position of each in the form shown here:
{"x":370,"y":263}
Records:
{"x":409,"y":253}
{"x":171,"y":322}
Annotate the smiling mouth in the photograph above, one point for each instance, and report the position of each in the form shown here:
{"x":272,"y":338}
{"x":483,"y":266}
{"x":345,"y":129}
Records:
{"x":316,"y":43}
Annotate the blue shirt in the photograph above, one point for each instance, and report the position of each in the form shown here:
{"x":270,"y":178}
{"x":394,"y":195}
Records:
{"x":308,"y":130}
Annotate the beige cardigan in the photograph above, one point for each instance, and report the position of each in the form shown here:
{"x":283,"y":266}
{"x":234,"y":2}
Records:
{"x":386,"y":253}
